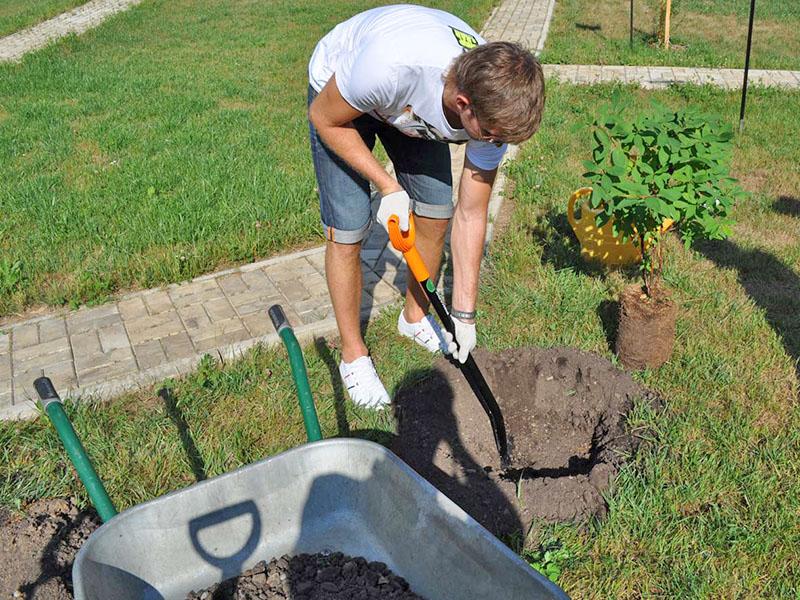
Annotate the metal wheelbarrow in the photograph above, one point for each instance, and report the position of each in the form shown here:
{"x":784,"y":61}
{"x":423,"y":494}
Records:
{"x":345,"y":495}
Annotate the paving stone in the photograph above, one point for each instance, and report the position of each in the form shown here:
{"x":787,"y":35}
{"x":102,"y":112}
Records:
{"x":196,"y":292}
{"x":290,"y":269}
{"x":105,"y":367}
{"x":194,"y":317}
{"x":51,"y":329}
{"x":258,"y":281}
{"x":233,"y":284}
{"x":220,"y":309}
{"x":155,"y":327}
{"x":113,"y":337}
{"x":86,"y":364}
{"x":317,"y":261}
{"x":62,"y":374}
{"x":5,"y":398}
{"x":294,"y":290}
{"x":157,"y":302}
{"x":41,"y":351}
{"x":133,"y":308}
{"x":381,"y":291}
{"x":177,"y":346}
{"x":26,"y":336}
{"x":219,"y":334}
{"x":254,"y":302}
{"x":86,"y":343}
{"x":315,"y":284}
{"x":258,"y":324}
{"x":150,"y":354}
{"x":93,"y":318}
{"x":318,"y":313}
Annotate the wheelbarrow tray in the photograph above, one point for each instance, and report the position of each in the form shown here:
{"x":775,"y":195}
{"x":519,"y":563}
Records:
{"x":346,"y":495}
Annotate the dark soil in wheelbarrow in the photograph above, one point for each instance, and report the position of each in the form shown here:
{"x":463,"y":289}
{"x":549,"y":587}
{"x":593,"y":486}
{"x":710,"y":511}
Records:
{"x":565,"y":414}
{"x":333,"y":576}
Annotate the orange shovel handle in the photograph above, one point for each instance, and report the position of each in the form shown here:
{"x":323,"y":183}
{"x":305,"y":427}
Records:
{"x":404,"y":242}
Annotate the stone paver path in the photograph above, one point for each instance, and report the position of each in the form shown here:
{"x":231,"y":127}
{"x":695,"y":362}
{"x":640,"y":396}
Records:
{"x":661,"y":77}
{"x":13,"y":47}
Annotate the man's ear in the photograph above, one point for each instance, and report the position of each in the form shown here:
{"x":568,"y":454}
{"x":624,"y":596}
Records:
{"x":462,"y":102}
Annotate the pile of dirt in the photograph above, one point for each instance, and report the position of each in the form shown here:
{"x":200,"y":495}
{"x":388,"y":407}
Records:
{"x":312,"y":576}
{"x":37,"y":550}
{"x":565,"y":414}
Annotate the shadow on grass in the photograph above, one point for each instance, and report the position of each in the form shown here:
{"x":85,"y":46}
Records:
{"x":787,"y":205}
{"x":773,"y":285}
{"x":193,"y":454}
{"x":560,"y":248}
{"x":608,"y":312}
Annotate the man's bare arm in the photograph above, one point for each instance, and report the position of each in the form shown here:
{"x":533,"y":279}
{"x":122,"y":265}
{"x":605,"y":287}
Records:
{"x":469,"y":233}
{"x":333,"y":116}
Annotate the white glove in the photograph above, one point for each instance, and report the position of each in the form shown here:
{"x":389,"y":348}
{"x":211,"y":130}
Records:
{"x":465,"y":340}
{"x":396,"y":203}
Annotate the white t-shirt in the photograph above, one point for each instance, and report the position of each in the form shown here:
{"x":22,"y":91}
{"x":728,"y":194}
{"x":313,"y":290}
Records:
{"x":390,"y":62}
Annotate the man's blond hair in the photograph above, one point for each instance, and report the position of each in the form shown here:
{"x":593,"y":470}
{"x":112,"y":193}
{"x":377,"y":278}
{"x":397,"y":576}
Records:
{"x":505,"y":84}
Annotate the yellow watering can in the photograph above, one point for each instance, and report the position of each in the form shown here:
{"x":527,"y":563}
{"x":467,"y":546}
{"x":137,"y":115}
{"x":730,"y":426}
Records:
{"x":599,"y":244}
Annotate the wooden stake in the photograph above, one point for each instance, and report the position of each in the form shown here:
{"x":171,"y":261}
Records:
{"x":667,"y":11}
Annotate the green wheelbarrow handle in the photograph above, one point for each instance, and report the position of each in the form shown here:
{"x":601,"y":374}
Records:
{"x":299,"y":373}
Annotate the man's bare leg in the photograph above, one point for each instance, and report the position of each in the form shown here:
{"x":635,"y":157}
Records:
{"x":429,"y":243}
{"x":343,"y":272}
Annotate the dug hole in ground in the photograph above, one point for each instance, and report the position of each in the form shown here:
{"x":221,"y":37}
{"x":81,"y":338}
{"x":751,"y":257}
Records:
{"x":565,"y":413}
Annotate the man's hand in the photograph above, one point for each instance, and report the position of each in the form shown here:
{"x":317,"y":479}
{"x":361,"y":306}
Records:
{"x":396,"y":203}
{"x":464,"y":342}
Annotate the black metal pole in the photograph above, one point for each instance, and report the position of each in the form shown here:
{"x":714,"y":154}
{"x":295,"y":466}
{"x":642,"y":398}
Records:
{"x":631,"y":23}
{"x":747,"y":64}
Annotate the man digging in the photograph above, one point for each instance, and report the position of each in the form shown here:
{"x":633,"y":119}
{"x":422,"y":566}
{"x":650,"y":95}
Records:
{"x":418,"y":79}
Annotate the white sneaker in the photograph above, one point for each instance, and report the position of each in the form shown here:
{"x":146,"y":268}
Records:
{"x":363,"y":384}
{"x":426,"y":333}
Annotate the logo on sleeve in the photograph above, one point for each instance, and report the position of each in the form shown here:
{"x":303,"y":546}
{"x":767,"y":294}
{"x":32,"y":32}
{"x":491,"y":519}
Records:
{"x":465,"y":40}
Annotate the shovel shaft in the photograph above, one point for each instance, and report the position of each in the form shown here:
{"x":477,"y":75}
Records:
{"x":404,"y":241}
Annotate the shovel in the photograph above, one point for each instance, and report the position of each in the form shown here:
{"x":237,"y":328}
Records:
{"x":404,"y":242}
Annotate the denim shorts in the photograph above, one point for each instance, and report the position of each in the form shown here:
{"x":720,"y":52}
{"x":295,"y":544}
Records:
{"x":422,"y":167}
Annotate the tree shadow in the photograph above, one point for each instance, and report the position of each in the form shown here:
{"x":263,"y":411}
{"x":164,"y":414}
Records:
{"x":608,"y":312}
{"x":787,"y":205}
{"x":560,"y":247}
{"x":587,"y":27}
{"x":196,"y":462}
{"x":773,"y":285}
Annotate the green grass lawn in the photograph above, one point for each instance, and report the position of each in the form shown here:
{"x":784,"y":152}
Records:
{"x":18,"y":14}
{"x":710,"y":510}
{"x":168,"y":142}
{"x":704,"y":33}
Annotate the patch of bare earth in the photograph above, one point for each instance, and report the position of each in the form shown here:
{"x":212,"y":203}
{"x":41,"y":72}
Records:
{"x":566,"y":415}
{"x":37,"y":550}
